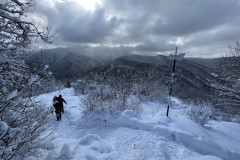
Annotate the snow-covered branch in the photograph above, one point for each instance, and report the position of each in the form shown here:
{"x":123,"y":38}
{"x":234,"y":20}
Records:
{"x":16,"y":31}
{"x":22,"y":121}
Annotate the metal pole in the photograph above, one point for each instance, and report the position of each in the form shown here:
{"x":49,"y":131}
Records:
{"x":171,"y":84}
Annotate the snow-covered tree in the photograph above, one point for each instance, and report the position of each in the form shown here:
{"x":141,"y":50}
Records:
{"x":228,"y":96}
{"x":114,"y":92}
{"x":21,"y":121}
{"x":230,"y":63}
{"x":17,"y":31}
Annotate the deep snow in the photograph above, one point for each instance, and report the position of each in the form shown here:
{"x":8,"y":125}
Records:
{"x":130,"y":136}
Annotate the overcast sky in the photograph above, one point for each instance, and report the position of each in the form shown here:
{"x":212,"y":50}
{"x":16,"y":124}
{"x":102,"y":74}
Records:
{"x":200,"y":28}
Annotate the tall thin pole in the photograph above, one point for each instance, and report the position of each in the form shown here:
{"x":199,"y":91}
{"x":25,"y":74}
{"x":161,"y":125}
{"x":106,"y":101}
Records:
{"x":172,"y":79}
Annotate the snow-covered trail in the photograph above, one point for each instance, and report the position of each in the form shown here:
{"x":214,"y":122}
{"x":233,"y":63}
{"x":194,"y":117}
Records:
{"x":132,"y":137}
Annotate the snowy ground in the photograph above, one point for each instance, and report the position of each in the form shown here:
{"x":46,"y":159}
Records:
{"x":150,"y":136}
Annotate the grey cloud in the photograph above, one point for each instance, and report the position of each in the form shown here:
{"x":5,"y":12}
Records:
{"x":195,"y":16}
{"x":88,"y":28}
{"x":102,"y":51}
{"x":78,"y":25}
{"x":155,"y":46}
{"x":176,"y":18}
{"x":206,"y":25}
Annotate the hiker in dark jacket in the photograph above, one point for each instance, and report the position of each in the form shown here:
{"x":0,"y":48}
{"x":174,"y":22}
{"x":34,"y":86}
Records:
{"x":57,"y":107}
{"x":61,"y":100}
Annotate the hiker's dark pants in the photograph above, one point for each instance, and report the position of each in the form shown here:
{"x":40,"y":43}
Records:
{"x":62,"y":110}
{"x":59,"y":116}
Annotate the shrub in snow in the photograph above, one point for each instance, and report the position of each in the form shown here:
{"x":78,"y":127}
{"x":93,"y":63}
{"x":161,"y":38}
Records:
{"x":21,"y":121}
{"x":113,"y":91}
{"x":101,"y":100}
{"x":20,"y":130}
{"x":80,"y":87}
{"x":228,"y":92}
{"x":107,"y":95}
{"x":200,"y":114}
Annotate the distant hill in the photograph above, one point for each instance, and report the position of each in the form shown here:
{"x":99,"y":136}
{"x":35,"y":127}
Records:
{"x":192,"y":79}
{"x":207,"y":62}
{"x":196,"y":79}
{"x":71,"y":62}
{"x":63,"y":63}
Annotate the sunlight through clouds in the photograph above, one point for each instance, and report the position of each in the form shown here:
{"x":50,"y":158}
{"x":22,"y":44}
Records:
{"x":89,"y":4}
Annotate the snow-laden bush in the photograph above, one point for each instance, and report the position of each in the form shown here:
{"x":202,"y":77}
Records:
{"x":20,"y":128}
{"x":114,"y":92}
{"x":104,"y":99}
{"x":200,"y":114}
{"x":22,"y":121}
{"x":145,"y":84}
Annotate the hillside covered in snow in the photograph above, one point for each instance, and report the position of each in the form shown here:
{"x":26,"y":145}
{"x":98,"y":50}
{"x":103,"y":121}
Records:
{"x":83,"y":135}
{"x":113,"y":63}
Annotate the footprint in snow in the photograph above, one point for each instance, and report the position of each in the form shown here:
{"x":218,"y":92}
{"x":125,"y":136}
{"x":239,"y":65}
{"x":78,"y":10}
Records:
{"x":73,"y":107}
